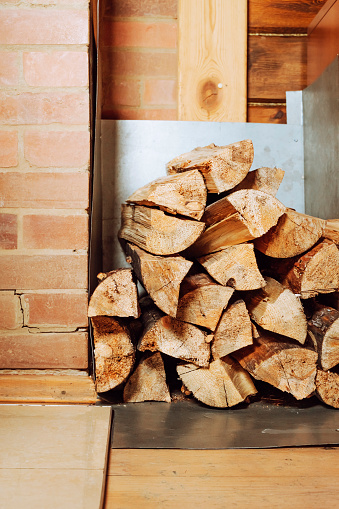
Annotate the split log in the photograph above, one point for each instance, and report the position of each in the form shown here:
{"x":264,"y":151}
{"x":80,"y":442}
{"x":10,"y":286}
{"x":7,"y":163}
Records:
{"x":277,"y":309}
{"x":183,"y":194}
{"x":157,"y":232}
{"x":276,"y":360}
{"x":202,"y":301}
{"x":223,"y":384}
{"x":114,"y":352}
{"x":115,"y":295}
{"x":234,"y":331}
{"x":294,"y":234}
{"x":327,"y":387}
{"x":323,"y":328}
{"x":317,"y":271}
{"x":237,"y":218}
{"x":331,"y":230}
{"x":175,"y":338}
{"x":148,"y":382}
{"x":222,"y":167}
{"x":234,"y":266}
{"x":263,"y":179}
{"x":160,"y":276}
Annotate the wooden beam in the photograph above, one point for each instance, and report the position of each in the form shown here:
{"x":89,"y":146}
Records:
{"x":212,"y":60}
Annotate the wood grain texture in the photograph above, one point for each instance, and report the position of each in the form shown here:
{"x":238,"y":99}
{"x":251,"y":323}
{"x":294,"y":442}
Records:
{"x":275,"y":64}
{"x":212,"y":60}
{"x":261,"y":113}
{"x":297,"y":477}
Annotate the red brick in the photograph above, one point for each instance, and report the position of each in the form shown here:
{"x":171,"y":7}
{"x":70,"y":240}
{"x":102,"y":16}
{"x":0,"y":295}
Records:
{"x":44,"y":351}
{"x":44,"y":190}
{"x":55,"y":232}
{"x":8,"y":149}
{"x":38,"y":272}
{"x":11,"y":316}
{"x":8,"y":231}
{"x":56,"y":69}
{"x":68,"y":149}
{"x":122,"y":93}
{"x":160,"y":92}
{"x":140,"y":114}
{"x":132,"y":63}
{"x":55,"y":310}
{"x":147,"y":8}
{"x":9,"y":68}
{"x":139,"y":34}
{"x":44,"y":108}
{"x":43,"y":26}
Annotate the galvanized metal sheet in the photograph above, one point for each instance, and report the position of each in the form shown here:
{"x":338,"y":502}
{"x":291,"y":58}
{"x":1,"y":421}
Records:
{"x":135,"y":152}
{"x":189,"y":425}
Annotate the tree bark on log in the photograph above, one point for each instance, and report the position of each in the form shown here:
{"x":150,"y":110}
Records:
{"x":183,"y":194}
{"x":277,"y":309}
{"x":234,"y":266}
{"x":237,"y":218}
{"x":223,"y":384}
{"x":294,"y":234}
{"x":317,"y":271}
{"x":157,"y":232}
{"x":160,"y":276}
{"x":281,"y":363}
{"x":327,"y":387}
{"x":148,"y":382}
{"x":222,"y":167}
{"x":115,"y":295}
{"x":263,"y":179}
{"x":202,"y":301}
{"x":323,"y":328}
{"x":234,"y":331}
{"x":114,"y":352}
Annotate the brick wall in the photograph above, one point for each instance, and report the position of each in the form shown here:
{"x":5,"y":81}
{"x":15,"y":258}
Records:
{"x":44,"y":183}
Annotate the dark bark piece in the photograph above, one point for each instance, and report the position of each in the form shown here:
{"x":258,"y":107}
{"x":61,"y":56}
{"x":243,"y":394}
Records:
{"x":327,"y":387}
{"x":157,"y":232}
{"x":183,"y":194}
{"x":115,"y":295}
{"x":293,"y":234}
{"x":223,"y":384}
{"x":263,"y":179}
{"x":114,"y":352}
{"x":234,"y":266}
{"x":160,"y":276}
{"x":324,"y":330}
{"x":222,"y":167}
{"x":148,"y":382}
{"x":202,"y":301}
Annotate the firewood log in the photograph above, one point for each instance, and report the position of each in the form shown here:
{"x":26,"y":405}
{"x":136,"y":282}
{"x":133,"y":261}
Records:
{"x":331,"y":230}
{"x":317,"y":271}
{"x":285,"y":365}
{"x":234,"y":266}
{"x":234,"y":330}
{"x":202,"y":300}
{"x":175,"y":338}
{"x":114,"y":352}
{"x":327,"y":387}
{"x":237,"y":218}
{"x":183,"y":194}
{"x":294,"y":234}
{"x":160,"y":276}
{"x":277,"y":309}
{"x":115,"y":295}
{"x":223,"y":384}
{"x":222,"y":167}
{"x":148,"y":382}
{"x":323,"y":328}
{"x":263,"y":179}
{"x":157,"y":232}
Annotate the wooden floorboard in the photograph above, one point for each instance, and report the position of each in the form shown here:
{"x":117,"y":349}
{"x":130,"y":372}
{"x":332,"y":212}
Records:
{"x":243,"y":478}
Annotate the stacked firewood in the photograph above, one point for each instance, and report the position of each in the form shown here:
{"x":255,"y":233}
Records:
{"x":241,"y":289}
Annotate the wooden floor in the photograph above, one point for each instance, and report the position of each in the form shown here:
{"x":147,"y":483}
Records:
{"x":304,"y":478}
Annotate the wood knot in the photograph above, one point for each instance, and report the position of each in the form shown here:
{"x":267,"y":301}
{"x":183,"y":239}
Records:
{"x":209,"y":95}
